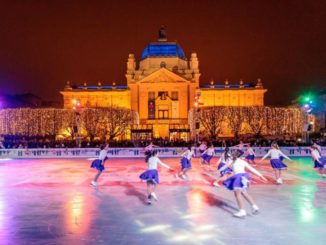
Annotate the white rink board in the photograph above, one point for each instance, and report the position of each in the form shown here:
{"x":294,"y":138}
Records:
{"x":131,"y":152}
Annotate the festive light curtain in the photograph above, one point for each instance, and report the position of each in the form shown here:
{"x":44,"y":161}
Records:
{"x":257,"y":120}
{"x":110,"y":122}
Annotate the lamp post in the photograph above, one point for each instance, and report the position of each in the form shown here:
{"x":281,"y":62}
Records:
{"x":197,"y":103}
{"x":76,"y":130}
{"x":307,"y":105}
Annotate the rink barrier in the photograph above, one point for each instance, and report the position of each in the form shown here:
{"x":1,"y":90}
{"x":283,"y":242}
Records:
{"x":132,"y":152}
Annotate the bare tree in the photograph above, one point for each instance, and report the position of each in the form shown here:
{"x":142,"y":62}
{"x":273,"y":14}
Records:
{"x":255,"y":116}
{"x":90,"y":120}
{"x":115,"y":121}
{"x":211,"y":118}
{"x":276,"y":120}
{"x":235,"y":118}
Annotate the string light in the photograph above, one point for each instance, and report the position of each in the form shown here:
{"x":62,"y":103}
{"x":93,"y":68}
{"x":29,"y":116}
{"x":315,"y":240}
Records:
{"x":114,"y":121}
{"x":50,"y":122}
{"x":255,"y":120}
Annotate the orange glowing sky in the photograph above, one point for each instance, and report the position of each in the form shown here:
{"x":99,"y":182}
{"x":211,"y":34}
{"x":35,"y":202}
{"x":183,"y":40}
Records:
{"x":45,"y":43}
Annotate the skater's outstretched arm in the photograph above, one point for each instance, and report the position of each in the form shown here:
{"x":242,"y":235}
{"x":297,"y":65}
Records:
{"x":163,"y":164}
{"x":255,"y":171}
{"x":219,"y":160}
{"x":282,"y":154}
{"x":267,"y":155}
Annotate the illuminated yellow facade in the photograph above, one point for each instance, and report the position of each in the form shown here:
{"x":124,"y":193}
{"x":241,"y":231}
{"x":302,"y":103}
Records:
{"x":162,"y":89}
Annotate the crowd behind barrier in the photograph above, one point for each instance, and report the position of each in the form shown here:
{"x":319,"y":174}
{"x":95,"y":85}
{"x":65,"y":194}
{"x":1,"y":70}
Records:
{"x":43,"y":142}
{"x":131,"y":152}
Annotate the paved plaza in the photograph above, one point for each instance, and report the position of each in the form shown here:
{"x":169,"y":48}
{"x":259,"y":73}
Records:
{"x":51,"y":202}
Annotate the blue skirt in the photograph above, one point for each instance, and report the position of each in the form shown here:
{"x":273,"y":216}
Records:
{"x":207,"y":158}
{"x":185,"y":163}
{"x":320,"y":165}
{"x":278,"y":164}
{"x":225,"y":171}
{"x":97,"y":164}
{"x":201,"y":151}
{"x":237,"y":181}
{"x":241,"y":152}
{"x":250,"y":157}
{"x":150,"y":175}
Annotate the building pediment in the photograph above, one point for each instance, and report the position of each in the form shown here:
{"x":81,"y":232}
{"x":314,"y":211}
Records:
{"x":162,"y":75}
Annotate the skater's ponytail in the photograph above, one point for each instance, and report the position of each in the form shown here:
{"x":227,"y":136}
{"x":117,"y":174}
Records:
{"x":236,"y":155}
{"x":148,"y":155}
{"x":227,"y":153}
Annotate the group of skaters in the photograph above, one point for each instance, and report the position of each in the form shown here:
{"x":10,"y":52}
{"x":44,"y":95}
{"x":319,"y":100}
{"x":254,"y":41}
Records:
{"x":231,"y":167}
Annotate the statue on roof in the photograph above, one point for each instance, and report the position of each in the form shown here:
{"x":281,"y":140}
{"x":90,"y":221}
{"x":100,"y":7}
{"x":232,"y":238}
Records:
{"x":162,"y":34}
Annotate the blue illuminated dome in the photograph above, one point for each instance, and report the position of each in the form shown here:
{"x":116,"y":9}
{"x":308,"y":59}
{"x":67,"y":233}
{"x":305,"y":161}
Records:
{"x":163,"y":49}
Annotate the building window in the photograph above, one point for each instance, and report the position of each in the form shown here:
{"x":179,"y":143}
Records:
{"x":163,"y":114}
{"x":163,"y":94}
{"x":151,"y":95}
{"x":151,"y":109}
{"x":174,"y":95}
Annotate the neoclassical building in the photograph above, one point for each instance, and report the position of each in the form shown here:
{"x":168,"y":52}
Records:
{"x":161,"y":88}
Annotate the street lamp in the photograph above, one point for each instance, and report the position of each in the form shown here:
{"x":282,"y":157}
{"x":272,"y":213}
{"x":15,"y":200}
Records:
{"x":307,"y":104}
{"x":197,"y":103}
{"x":76,"y":106}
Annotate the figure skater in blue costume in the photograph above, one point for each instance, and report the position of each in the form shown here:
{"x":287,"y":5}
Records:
{"x":208,"y":155}
{"x":225,"y":159}
{"x":186,"y":162}
{"x":319,"y":162}
{"x":151,"y":177}
{"x":240,"y":147}
{"x":239,"y":183}
{"x":250,"y":156}
{"x":98,"y":164}
{"x":277,"y":164}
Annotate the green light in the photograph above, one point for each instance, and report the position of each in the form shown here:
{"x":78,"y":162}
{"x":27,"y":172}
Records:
{"x":307,"y":99}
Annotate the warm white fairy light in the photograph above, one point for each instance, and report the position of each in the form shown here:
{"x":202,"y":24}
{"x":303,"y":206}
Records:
{"x":254,"y":120}
{"x":46,"y":122}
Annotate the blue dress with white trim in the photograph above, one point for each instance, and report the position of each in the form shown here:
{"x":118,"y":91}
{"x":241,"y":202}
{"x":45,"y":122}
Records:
{"x":237,"y":181}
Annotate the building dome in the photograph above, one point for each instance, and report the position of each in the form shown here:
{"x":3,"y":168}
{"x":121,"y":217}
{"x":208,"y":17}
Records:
{"x":163,"y":49}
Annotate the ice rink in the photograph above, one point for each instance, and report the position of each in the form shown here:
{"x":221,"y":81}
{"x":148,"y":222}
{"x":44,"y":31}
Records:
{"x":51,"y":202}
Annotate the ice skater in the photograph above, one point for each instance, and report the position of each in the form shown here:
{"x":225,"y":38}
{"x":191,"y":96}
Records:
{"x":151,"y":177}
{"x":149,"y":149}
{"x":98,"y":164}
{"x":250,"y":156}
{"x":202,"y":148}
{"x":276,"y":161}
{"x":240,"y":147}
{"x":186,"y":162}
{"x":319,"y":162}
{"x":318,"y":147}
{"x":208,"y":155}
{"x":225,"y":159}
{"x":239,"y":183}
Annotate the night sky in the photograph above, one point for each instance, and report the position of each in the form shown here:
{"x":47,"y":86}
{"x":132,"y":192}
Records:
{"x":45,"y":43}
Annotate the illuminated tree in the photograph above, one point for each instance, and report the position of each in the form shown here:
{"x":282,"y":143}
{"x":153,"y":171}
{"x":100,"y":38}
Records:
{"x":255,"y":116}
{"x":115,"y":121}
{"x":235,"y":117}
{"x":211,"y":118}
{"x":90,"y":121}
